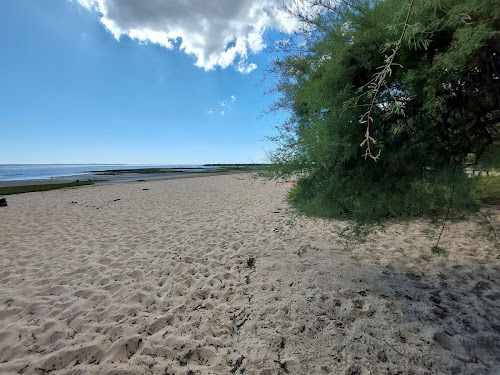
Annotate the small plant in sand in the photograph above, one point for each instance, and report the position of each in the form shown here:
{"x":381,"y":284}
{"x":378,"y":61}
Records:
{"x":355,"y":233}
{"x":302,"y":249}
{"x":429,"y":233}
{"x":285,"y":228}
{"x":437,"y":250}
{"x":250,"y":262}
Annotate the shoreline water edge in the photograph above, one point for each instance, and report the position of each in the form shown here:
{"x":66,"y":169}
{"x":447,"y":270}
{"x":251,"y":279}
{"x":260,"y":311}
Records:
{"x":124,"y":173}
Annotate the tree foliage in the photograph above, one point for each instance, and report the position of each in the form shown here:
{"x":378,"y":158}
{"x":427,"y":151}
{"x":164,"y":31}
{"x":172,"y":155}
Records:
{"x":425,"y":77}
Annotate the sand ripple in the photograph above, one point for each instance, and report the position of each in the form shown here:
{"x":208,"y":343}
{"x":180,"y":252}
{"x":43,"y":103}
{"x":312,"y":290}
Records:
{"x":121,"y":280}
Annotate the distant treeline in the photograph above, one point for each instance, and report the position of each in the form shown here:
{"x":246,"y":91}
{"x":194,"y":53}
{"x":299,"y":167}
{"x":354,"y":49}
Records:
{"x":235,"y":165}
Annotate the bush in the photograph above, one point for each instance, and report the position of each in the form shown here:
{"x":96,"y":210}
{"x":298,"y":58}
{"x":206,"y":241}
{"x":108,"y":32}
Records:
{"x":429,"y":92}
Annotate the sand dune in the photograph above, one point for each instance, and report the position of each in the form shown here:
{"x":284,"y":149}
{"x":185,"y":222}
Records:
{"x":152,"y":278}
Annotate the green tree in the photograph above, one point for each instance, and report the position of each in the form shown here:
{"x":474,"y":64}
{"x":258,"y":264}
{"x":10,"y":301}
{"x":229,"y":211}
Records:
{"x":423,"y":75}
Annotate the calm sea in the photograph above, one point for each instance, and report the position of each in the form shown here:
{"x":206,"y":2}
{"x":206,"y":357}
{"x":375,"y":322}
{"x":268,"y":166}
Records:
{"x":11,"y":172}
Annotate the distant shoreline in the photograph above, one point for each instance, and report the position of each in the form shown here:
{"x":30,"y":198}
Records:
{"x":137,"y":174}
{"x":98,"y":179}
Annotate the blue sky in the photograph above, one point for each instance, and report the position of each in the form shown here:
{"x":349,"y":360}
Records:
{"x":71,"y":92}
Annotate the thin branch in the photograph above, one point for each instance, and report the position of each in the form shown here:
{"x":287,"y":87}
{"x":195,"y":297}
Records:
{"x":379,"y":80}
{"x":448,"y":210}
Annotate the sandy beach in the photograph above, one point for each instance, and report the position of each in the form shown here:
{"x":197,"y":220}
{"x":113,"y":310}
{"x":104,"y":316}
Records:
{"x":152,"y":278}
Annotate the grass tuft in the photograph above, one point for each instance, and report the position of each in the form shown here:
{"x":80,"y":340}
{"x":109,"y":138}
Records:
{"x":8,"y":190}
{"x":437,"y":250}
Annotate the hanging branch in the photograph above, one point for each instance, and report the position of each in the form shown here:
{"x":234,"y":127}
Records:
{"x":376,"y":84}
{"x":436,"y":248}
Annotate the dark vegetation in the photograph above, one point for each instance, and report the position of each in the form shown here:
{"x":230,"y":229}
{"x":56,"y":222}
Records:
{"x":31,"y":188}
{"x":116,"y":172}
{"x":392,"y":105}
{"x":219,"y":168}
{"x":252,"y":166}
{"x":490,"y":190}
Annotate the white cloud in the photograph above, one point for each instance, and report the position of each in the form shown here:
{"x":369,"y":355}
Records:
{"x":245,"y":69}
{"x":210,"y":112}
{"x":83,"y":35}
{"x":226,"y":105}
{"x":219,"y":33}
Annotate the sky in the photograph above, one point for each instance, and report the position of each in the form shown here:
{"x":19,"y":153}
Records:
{"x":137,"y":82}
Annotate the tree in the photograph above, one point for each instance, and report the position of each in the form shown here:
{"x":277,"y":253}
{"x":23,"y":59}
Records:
{"x":424,"y":76}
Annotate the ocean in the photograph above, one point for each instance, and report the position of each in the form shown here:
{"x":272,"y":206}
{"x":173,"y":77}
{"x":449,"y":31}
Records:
{"x":13,"y":172}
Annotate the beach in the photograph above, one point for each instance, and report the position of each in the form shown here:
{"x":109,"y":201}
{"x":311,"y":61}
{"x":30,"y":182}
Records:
{"x":153,"y":277}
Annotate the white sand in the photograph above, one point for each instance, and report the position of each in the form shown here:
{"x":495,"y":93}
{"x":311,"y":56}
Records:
{"x":157,"y":283}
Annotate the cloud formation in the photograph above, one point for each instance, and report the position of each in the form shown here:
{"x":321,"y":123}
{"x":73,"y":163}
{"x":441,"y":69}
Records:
{"x":225,"y":106}
{"x":219,"y":33}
